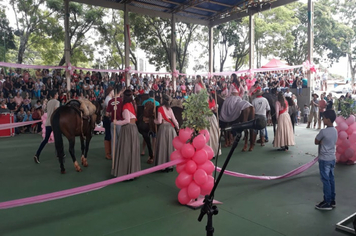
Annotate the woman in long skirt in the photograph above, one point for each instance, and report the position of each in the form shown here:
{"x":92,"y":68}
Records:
{"x":284,"y":135}
{"x":127,"y":158}
{"x":214,"y":128}
{"x":166,"y":132}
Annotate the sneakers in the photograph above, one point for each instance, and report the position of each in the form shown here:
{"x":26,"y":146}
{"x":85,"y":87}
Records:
{"x":324,"y":206}
{"x":36,"y":159}
{"x":333,"y":204}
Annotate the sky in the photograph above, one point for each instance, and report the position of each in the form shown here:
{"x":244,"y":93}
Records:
{"x":340,"y":68}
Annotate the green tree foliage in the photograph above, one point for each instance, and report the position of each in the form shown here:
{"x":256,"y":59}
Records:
{"x":348,"y":11}
{"x":7,"y":41}
{"x":32,"y":23}
{"x":112,"y":38}
{"x":153,"y":35}
{"x":196,"y":111}
{"x":83,"y":19}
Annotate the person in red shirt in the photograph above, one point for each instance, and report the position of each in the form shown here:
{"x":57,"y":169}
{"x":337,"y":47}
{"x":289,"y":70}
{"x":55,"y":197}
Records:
{"x":115,"y":104}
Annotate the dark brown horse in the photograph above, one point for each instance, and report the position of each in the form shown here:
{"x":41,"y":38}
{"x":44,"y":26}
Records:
{"x":144,"y":128}
{"x":67,"y":120}
{"x":246,"y":115}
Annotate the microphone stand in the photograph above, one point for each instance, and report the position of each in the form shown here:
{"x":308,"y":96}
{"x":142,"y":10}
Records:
{"x":208,"y":207}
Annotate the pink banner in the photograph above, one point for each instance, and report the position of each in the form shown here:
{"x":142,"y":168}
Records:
{"x":97,"y":70}
{"x":294,"y":172}
{"x":83,"y":189}
{"x":99,"y":128}
{"x":18,"y":124}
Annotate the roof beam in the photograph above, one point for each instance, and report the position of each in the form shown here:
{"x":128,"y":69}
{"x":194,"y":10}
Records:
{"x":143,"y":11}
{"x":198,"y":8}
{"x":190,"y":4}
{"x":241,"y":14}
{"x":220,"y":3}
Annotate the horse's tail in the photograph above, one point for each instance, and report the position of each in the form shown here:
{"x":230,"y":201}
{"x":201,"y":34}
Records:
{"x":58,"y":140}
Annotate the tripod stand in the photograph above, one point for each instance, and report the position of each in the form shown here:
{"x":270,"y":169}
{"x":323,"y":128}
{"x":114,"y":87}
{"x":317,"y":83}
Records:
{"x":208,"y":207}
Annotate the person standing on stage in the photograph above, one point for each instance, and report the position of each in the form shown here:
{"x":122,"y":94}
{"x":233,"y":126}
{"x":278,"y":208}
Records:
{"x":110,"y":113}
{"x":52,"y":105}
{"x":107,"y":122}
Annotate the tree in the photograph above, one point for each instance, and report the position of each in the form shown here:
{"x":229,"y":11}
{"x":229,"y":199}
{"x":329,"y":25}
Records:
{"x":31,"y":20}
{"x":112,"y":36}
{"x":7,"y":41}
{"x":154,"y":37}
{"x":348,"y":11}
{"x":83,"y":19}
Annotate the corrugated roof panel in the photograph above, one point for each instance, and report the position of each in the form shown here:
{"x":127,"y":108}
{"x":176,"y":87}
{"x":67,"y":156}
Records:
{"x":157,"y":3}
{"x":200,"y":12}
{"x":212,"y":6}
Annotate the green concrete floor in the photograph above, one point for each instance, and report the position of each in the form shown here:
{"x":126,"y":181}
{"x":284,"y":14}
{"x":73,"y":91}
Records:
{"x":149,"y":206}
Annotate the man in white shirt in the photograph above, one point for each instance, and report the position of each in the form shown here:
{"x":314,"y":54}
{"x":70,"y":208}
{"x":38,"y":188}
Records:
{"x":288,"y":93}
{"x":261,"y":106}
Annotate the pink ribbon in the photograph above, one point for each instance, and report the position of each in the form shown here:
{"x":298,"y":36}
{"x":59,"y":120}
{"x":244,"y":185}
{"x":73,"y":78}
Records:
{"x":175,"y":73}
{"x":309,"y":66}
{"x":70,"y":69}
{"x":98,"y":128}
{"x":294,"y":172}
{"x":23,"y":66}
{"x":83,"y":189}
{"x":18,"y":124}
{"x":128,"y":70}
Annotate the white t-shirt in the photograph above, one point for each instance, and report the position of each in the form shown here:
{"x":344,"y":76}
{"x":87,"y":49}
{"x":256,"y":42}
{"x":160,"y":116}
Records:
{"x":288,"y":94}
{"x":261,"y":105}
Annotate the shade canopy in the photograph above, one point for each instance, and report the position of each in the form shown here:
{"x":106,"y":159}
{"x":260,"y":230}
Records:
{"x":203,"y":12}
{"x":274,"y":63}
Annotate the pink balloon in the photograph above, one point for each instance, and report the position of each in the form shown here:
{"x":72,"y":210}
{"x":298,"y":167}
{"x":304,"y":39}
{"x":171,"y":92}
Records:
{"x":200,"y":157}
{"x":343,"y":159}
{"x":184,"y":179}
{"x":337,"y":157}
{"x":210,"y":152}
{"x":337,"y":128}
{"x":352,"y":127}
{"x":342,"y":135}
{"x":208,"y":166}
{"x":338,"y":142}
{"x":350,"y":120}
{"x":178,"y":184}
{"x":177,"y":144}
{"x":185,"y":134}
{"x":209,"y":184}
{"x":190,"y":167}
{"x":353,"y":158}
{"x":193,"y":190}
{"x":352,"y":137}
{"x":176,"y":155}
{"x":345,"y":144}
{"x":183,"y":196}
{"x":200,"y":177}
{"x":204,"y":192}
{"x":199,"y":142}
{"x":206,"y":134}
{"x":343,"y":126}
{"x":349,"y":131}
{"x":339,"y":120}
{"x":349,"y":153}
{"x":340,"y":150}
{"x":187,"y":150}
{"x":180,"y":167}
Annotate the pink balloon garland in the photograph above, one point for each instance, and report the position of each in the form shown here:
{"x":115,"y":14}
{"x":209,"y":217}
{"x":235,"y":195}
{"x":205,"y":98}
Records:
{"x":345,"y":148}
{"x":195,"y":173}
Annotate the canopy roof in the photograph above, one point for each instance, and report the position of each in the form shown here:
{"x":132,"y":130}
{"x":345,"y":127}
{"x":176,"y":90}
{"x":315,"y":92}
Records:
{"x":204,"y":12}
{"x":274,"y":63}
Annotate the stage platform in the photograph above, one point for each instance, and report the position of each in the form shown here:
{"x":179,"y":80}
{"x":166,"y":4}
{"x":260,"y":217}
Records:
{"x":148,"y":205}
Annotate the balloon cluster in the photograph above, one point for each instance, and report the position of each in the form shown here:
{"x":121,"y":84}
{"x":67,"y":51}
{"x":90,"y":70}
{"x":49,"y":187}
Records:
{"x":250,"y":82}
{"x":195,"y":173}
{"x":309,"y":66}
{"x":345,"y":145}
{"x":175,"y":73}
{"x":51,"y":138}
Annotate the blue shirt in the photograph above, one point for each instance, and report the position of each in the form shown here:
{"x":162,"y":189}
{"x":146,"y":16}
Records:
{"x":150,"y":100}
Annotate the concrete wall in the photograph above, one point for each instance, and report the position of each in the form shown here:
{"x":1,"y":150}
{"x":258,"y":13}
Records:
{"x":304,"y":99}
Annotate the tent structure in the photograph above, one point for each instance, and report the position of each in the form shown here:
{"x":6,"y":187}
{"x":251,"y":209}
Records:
{"x":274,"y":63}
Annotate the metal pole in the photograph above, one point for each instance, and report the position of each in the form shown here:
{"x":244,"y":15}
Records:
{"x":173,"y":51}
{"x":251,"y":40}
{"x":5,"y":50}
{"x":310,"y":42}
{"x":67,"y":44}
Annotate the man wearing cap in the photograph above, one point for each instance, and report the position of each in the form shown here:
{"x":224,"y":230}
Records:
{"x":314,"y":110}
{"x":261,"y":108}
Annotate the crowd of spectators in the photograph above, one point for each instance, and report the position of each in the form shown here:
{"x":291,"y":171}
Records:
{"x":26,"y":93}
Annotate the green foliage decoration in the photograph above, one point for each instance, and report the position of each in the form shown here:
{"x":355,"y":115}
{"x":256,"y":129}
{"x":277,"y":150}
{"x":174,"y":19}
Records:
{"x":347,"y":107}
{"x":196,"y":111}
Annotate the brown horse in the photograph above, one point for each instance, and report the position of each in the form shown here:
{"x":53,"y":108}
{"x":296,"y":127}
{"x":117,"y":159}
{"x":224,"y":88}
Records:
{"x":247,"y":114}
{"x":144,"y":128}
{"x":68,"y":120}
